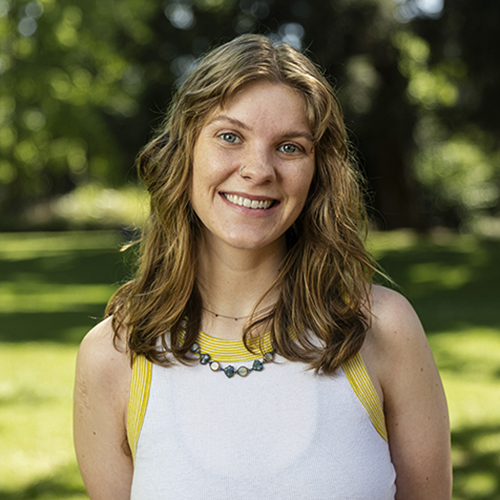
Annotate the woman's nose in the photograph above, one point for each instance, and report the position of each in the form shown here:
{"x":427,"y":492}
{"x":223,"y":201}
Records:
{"x":258,"y":168}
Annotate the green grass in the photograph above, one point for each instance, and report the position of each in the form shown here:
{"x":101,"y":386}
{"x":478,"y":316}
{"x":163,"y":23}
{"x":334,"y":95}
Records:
{"x":452,"y":282}
{"x":53,"y":288}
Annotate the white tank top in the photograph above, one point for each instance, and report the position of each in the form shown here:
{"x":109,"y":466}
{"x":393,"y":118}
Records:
{"x":281,"y":433}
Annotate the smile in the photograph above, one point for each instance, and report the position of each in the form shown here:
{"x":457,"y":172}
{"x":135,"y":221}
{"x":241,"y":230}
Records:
{"x":247,"y":203}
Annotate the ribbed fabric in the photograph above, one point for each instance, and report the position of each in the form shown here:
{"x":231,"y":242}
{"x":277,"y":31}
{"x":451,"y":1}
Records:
{"x":233,"y":350}
{"x":362,"y":385}
{"x":138,"y":400}
{"x":283,"y":433}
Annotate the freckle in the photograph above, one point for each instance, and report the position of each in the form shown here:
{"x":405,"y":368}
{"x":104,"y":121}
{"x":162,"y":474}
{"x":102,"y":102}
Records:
{"x":94,"y":433}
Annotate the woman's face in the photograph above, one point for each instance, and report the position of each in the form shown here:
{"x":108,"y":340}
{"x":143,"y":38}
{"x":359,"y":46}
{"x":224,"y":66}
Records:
{"x":263,"y":128}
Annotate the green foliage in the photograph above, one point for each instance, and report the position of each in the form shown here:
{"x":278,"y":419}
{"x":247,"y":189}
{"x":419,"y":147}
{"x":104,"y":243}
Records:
{"x":457,"y":166}
{"x":83,"y":83}
{"x":460,"y":173}
{"x":428,"y":86}
{"x":64,"y":77}
{"x":92,"y":206}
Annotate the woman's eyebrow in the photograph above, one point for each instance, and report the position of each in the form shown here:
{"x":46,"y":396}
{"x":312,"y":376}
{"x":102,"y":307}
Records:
{"x":234,"y":121}
{"x":299,"y":133}
{"x":290,"y":133}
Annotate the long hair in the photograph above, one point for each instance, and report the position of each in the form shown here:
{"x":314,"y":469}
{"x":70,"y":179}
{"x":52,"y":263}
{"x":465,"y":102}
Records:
{"x":325,"y":278}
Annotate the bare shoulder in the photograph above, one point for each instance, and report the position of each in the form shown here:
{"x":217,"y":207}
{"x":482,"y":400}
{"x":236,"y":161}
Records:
{"x":396,"y":347}
{"x":103,"y":359}
{"x":394,"y":324}
{"x":402,"y":367}
{"x":391,"y":309}
{"x":103,"y":369}
{"x":102,"y":383}
{"x":101,"y":349}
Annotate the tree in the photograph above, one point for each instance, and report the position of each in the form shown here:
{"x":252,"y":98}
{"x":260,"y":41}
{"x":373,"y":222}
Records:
{"x":451,"y":65}
{"x":83,"y":83}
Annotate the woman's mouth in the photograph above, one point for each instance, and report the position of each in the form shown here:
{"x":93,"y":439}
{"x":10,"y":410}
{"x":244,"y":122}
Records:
{"x":247,"y":203}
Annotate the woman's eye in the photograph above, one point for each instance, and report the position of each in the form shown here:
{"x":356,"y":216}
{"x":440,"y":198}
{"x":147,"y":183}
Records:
{"x":228,"y":137}
{"x":289,"y":148}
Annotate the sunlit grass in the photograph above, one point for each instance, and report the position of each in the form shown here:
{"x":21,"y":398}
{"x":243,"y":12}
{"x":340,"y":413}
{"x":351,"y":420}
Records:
{"x":20,"y":246}
{"x":35,"y":414}
{"x":32,"y":296}
{"x":469,"y":362}
{"x":453,"y":281}
{"x":54,"y":286}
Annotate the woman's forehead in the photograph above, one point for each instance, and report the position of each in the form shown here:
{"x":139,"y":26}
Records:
{"x":229,"y":98}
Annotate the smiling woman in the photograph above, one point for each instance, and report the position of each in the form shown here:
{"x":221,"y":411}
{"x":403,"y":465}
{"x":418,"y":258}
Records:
{"x":253,"y":164}
{"x":252,"y":267}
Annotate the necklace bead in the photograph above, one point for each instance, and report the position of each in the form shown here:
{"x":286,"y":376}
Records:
{"x":214,"y":366}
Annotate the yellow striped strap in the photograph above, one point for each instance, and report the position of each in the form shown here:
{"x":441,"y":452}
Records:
{"x":142,"y":371}
{"x":362,"y":386}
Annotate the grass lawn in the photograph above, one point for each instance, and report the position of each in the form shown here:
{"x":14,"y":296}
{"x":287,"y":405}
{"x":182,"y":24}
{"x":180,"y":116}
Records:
{"x":452,"y":282}
{"x":53,"y":288}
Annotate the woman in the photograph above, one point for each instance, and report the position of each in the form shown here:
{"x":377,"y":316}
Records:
{"x":251,"y":357}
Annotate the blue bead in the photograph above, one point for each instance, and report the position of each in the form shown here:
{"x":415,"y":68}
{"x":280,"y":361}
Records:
{"x":229,"y":371}
{"x":257,"y":365}
{"x":204,"y":359}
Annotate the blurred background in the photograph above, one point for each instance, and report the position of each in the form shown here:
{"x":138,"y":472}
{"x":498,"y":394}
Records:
{"x":83,"y":84}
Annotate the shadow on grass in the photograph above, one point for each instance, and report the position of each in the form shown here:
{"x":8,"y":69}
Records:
{"x":63,"y":485}
{"x":42,"y":293}
{"x":67,"y":327}
{"x":452,"y":286}
{"x":67,"y":267}
{"x":477,"y":466}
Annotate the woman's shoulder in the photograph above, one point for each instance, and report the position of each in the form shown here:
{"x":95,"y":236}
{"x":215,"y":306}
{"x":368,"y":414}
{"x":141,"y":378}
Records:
{"x":402,"y":367}
{"x":101,"y":395}
{"x":392,"y":319}
{"x":103,"y":356}
{"x":395,"y":342}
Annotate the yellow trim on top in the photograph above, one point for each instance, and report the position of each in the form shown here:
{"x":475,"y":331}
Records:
{"x":229,"y":351}
{"x":362,"y":385}
{"x":142,"y":371}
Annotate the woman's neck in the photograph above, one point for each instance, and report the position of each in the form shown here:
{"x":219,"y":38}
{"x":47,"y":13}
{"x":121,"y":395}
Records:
{"x":231,"y":282}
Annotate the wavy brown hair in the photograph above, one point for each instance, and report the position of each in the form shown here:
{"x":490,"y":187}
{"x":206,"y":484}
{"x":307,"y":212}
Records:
{"x":325,"y":278}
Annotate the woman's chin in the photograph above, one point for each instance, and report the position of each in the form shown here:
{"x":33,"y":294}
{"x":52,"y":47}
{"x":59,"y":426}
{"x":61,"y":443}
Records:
{"x":248,"y":243}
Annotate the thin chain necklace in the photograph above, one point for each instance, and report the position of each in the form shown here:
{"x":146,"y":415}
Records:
{"x":217,"y":315}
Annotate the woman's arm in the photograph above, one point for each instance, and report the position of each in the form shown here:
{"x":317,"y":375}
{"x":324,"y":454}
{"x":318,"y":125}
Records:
{"x":413,"y":397}
{"x":100,"y":412}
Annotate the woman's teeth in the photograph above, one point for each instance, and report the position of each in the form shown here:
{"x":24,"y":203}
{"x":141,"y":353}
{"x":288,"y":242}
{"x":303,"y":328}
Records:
{"x":245,"y":202}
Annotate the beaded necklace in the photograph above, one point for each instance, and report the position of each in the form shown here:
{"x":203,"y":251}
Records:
{"x":230,"y":371}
